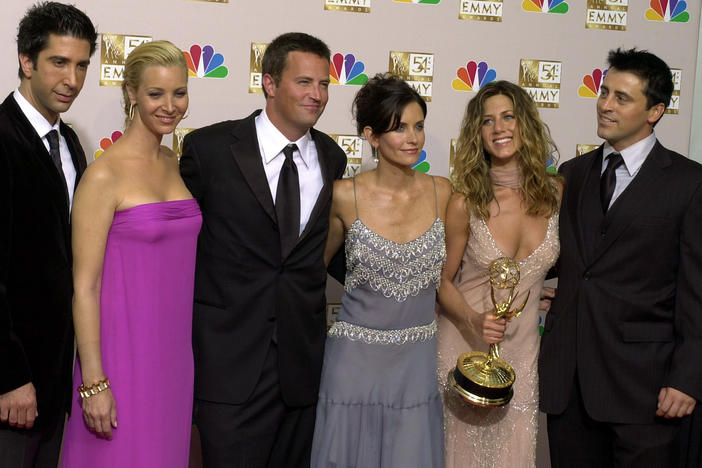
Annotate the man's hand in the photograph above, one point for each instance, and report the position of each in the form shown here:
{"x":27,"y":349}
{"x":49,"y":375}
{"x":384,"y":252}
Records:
{"x":547,"y":295}
{"x":18,"y":407}
{"x":674,"y":403}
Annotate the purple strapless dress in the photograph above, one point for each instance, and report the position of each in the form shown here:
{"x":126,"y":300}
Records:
{"x":146,"y":306}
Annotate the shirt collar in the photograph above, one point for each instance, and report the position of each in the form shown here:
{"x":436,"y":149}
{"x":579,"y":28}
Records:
{"x":634,"y":155}
{"x":38,"y":121}
{"x":272,"y":141}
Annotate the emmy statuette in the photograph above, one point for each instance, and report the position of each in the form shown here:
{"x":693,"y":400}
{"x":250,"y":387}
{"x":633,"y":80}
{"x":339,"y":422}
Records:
{"x":484,"y":379}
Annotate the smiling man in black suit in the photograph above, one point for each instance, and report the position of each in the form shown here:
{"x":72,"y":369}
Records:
{"x":620,"y":355}
{"x":264,"y":185}
{"x":41,"y":161}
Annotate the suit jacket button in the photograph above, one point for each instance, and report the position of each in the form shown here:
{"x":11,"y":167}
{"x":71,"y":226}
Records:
{"x":586,"y":276}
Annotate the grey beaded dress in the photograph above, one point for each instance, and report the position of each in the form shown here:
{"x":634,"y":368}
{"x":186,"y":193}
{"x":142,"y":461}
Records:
{"x":379,"y":402}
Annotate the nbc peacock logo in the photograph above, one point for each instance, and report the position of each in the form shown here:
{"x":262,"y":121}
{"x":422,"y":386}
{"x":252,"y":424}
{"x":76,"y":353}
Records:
{"x":545,"y":6}
{"x":346,"y":70}
{"x":422,"y":165}
{"x":203,"y":62}
{"x":591,"y":84}
{"x":473,"y":76}
{"x":673,"y":11}
{"x":106,"y":143}
{"x":428,"y":2}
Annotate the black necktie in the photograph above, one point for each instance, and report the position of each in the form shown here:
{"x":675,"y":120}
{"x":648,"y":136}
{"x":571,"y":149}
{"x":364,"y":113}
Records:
{"x":608,"y":181}
{"x":287,"y":202}
{"x":53,"y":139}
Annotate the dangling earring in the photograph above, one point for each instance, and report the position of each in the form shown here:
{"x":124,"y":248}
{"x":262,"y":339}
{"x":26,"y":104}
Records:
{"x":374,"y":152}
{"x":131,"y":112}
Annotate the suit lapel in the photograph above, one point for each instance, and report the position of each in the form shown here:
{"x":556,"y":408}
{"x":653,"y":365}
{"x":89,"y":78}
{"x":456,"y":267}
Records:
{"x":247,"y":155}
{"x":39,"y":151}
{"x":580,"y":189}
{"x":327,"y":180}
{"x":77,"y":154}
{"x":633,"y":200}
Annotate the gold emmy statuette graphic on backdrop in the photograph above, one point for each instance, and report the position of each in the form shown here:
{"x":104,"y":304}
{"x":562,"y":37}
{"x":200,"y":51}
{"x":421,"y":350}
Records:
{"x":484,"y":379}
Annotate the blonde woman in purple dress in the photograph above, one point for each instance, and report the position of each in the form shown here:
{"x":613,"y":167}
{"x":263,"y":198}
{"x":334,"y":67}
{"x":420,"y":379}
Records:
{"x":135,"y":228}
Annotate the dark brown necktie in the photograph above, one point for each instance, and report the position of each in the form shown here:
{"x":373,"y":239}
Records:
{"x":53,"y":138}
{"x":287,"y":202}
{"x":608,"y":181}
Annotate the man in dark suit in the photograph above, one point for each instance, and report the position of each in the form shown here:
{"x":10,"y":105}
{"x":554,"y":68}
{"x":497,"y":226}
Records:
{"x":620,"y":354}
{"x":41,"y":161}
{"x":264,"y":184}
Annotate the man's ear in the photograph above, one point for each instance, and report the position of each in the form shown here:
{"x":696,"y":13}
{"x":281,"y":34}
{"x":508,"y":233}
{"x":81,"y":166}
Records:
{"x":26,"y":64}
{"x":268,"y":84}
{"x":655,"y":113}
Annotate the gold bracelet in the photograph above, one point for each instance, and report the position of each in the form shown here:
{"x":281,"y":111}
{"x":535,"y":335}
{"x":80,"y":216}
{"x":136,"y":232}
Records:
{"x":94,"y":389}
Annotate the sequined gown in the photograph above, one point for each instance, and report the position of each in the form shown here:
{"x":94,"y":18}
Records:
{"x":379,"y":402}
{"x":496,"y":437}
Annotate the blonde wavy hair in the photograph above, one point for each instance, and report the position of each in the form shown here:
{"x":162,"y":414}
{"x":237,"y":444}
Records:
{"x":471,"y":167}
{"x":159,"y":53}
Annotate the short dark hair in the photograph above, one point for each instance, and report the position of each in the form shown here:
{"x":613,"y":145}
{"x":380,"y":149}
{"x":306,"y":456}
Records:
{"x":45,"y":18}
{"x":380,"y":102}
{"x":658,"y":81}
{"x":276,"y":55}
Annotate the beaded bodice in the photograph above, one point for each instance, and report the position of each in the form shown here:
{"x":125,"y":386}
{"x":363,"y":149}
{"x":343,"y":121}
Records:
{"x":393,"y":269}
{"x":483,"y":250}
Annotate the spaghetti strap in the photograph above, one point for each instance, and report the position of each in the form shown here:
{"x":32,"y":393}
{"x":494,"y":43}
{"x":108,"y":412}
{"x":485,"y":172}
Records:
{"x":355,"y":201}
{"x":436,"y":198}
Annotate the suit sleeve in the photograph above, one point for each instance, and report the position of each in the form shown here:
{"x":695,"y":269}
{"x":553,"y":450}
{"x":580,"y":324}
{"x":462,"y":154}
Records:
{"x":686,"y":365}
{"x":337,"y":265}
{"x":564,"y":170}
{"x":341,"y":167}
{"x":14,"y":366}
{"x":190,"y":169}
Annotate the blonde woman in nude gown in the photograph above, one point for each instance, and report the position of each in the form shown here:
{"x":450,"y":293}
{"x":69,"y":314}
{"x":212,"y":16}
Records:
{"x":505,"y":205}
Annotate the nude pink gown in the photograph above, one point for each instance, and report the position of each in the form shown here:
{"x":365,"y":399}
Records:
{"x":496,"y":437}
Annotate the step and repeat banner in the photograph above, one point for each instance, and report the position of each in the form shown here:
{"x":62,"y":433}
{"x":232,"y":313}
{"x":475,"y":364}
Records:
{"x":446,"y":49}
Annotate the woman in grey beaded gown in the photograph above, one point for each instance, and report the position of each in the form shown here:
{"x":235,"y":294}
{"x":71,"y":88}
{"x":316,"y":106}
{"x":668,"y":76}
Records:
{"x":379,"y":402}
{"x":505,"y":205}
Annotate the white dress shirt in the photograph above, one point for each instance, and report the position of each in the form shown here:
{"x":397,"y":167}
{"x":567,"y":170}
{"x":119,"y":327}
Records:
{"x":42,"y":127}
{"x":634,"y":157}
{"x":271,"y":143}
